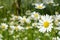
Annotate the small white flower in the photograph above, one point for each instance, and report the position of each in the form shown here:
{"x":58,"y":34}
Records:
{"x":14,"y":17}
{"x":18,"y":28}
{"x":4,"y":26}
{"x":12,"y":28}
{"x":28,"y":21}
{"x":35,"y":15}
{"x":39,"y":6}
{"x":45,"y":23}
{"x":23,"y":19}
{"x":56,"y":20}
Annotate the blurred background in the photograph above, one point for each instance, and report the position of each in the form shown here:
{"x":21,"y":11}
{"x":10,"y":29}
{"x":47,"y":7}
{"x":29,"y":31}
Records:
{"x":19,"y":7}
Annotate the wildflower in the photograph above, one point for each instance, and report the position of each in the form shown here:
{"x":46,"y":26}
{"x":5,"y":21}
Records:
{"x":4,"y":26}
{"x":18,"y":28}
{"x":25,"y":20}
{"x":46,"y":24}
{"x":35,"y":15}
{"x":39,"y":6}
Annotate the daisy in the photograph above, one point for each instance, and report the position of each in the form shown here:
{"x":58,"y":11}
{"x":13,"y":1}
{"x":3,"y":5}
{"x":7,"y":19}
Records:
{"x":12,"y":27}
{"x":25,"y":20}
{"x":45,"y":23}
{"x":18,"y":28}
{"x":4,"y":26}
{"x":35,"y":15}
{"x":14,"y":17}
{"x":57,"y":28}
{"x":56,"y":20}
{"x":39,"y":6}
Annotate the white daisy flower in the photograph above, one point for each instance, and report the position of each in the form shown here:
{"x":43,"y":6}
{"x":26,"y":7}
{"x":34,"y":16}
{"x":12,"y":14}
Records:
{"x":45,"y":24}
{"x":12,"y":28}
{"x":14,"y":17}
{"x":35,"y":15}
{"x":39,"y":6}
{"x":28,"y":21}
{"x":23,"y":19}
{"x":18,"y":28}
{"x":4,"y":26}
{"x":56,"y":20}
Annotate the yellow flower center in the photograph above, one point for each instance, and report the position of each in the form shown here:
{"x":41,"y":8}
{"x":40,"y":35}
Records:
{"x":16,"y":28}
{"x":23,"y":20}
{"x":36,"y":15}
{"x":39,"y":6}
{"x":3,"y":27}
{"x":46,"y":24}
